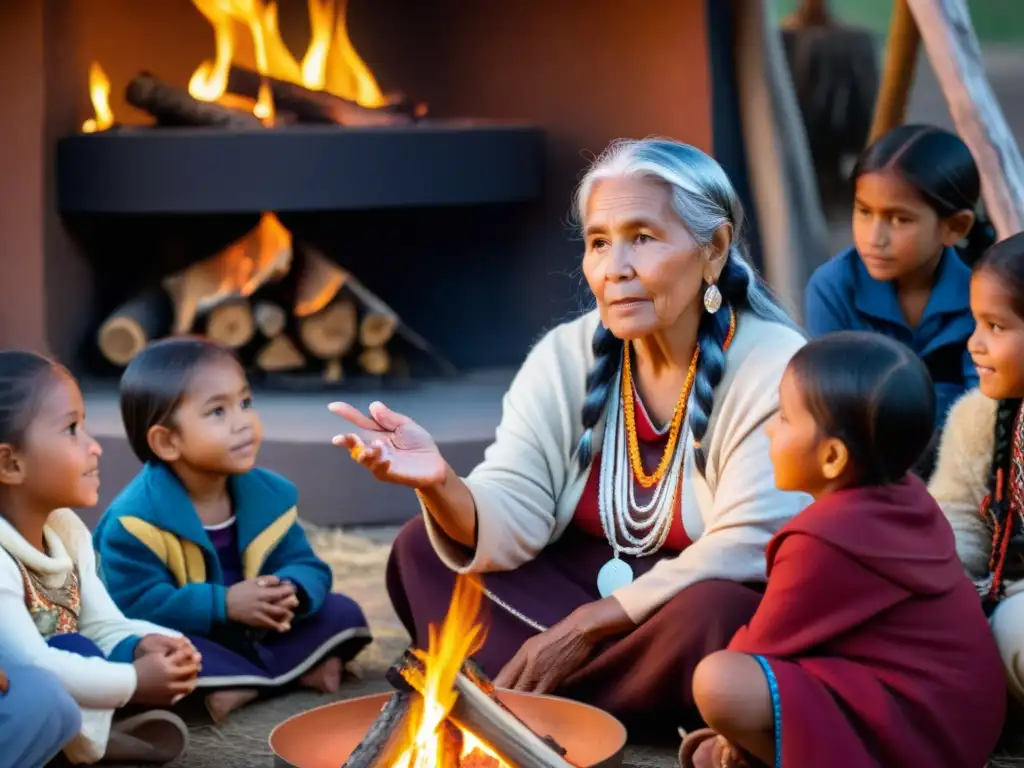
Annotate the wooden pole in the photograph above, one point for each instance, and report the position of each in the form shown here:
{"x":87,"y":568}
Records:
{"x":901,"y":51}
{"x":955,"y":55}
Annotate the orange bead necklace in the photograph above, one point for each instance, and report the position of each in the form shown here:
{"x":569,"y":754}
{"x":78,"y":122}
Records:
{"x":678,"y":415}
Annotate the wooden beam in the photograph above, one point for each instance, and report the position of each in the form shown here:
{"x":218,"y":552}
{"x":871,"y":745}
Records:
{"x":955,"y":55}
{"x":901,"y":49}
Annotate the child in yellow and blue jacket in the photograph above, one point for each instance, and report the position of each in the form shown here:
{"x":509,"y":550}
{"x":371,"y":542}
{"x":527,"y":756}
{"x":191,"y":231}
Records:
{"x":205,"y":542}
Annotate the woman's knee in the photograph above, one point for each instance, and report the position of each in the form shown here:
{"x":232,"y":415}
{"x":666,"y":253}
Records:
{"x":720,"y":608}
{"x":727,"y":689}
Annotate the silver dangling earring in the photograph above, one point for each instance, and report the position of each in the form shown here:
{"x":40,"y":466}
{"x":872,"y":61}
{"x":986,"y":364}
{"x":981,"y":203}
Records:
{"x":712,"y":298}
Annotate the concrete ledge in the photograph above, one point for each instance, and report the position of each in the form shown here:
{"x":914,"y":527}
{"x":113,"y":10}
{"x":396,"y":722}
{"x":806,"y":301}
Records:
{"x":297,"y":432}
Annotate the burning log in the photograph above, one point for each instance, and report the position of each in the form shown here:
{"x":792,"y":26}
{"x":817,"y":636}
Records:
{"x":135,"y":324}
{"x":280,"y":354}
{"x":262,"y":256}
{"x":384,"y":735}
{"x":174,"y":106}
{"x":310,"y":106}
{"x":479,"y":711}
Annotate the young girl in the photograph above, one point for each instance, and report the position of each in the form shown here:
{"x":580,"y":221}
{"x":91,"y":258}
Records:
{"x":55,"y":612}
{"x":869,"y":648}
{"x":917,"y":188}
{"x":205,"y":542}
{"x":979,"y":477}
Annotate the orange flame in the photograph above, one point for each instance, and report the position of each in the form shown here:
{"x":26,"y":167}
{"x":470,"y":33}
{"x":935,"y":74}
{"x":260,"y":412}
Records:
{"x":459,"y":637}
{"x":99,"y":94}
{"x":331,"y":62}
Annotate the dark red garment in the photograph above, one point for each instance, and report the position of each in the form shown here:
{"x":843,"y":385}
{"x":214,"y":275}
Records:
{"x":652,"y":444}
{"x":878,"y":644}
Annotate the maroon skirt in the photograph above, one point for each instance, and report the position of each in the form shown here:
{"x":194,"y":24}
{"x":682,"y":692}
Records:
{"x":643,"y":678}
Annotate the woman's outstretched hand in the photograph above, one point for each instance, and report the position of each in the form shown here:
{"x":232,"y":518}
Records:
{"x":393,"y":447}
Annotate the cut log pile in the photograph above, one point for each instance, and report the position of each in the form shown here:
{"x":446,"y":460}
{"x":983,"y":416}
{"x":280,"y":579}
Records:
{"x":288,"y":313}
{"x":477,"y":711}
{"x":283,"y":309}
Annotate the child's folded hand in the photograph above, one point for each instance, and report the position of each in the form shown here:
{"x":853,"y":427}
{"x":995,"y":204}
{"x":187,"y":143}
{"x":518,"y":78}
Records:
{"x":257,"y":603}
{"x":163,"y":679}
{"x":165,"y":645}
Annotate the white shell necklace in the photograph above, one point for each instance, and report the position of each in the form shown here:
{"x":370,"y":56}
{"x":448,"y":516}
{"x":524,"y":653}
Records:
{"x":630,"y":528}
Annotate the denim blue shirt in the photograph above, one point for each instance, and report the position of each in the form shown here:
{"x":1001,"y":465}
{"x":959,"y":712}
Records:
{"x":842,"y":296}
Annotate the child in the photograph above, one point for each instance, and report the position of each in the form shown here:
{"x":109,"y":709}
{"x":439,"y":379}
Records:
{"x":38,"y":718}
{"x":869,"y":648}
{"x":55,"y":612}
{"x":917,"y":188}
{"x":205,"y":542}
{"x":979,"y":477}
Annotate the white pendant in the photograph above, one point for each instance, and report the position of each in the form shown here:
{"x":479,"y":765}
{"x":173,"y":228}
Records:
{"x":613,"y":574}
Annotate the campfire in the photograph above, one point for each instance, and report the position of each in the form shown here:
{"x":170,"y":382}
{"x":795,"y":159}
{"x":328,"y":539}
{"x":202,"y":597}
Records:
{"x":284,"y":306}
{"x":446,"y":713}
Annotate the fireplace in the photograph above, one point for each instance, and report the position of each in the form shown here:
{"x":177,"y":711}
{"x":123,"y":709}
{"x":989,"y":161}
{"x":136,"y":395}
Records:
{"x":450,"y":227}
{"x":247,"y":189}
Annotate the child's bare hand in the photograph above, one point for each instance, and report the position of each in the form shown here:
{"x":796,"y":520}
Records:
{"x":5,"y":684}
{"x":163,"y":644}
{"x":163,"y":679}
{"x":256,"y":603}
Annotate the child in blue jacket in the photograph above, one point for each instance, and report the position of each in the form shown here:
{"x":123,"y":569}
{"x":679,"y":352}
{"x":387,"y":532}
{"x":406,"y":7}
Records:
{"x":917,"y":190}
{"x":205,"y":542}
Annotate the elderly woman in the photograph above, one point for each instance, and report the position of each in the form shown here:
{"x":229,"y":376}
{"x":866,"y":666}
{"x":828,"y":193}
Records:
{"x":620,"y":517}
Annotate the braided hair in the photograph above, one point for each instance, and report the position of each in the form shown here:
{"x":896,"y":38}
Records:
{"x":1006,"y":561}
{"x":705,"y":200}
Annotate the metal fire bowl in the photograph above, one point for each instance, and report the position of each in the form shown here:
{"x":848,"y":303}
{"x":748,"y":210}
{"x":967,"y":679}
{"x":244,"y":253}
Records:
{"x":325,"y":737}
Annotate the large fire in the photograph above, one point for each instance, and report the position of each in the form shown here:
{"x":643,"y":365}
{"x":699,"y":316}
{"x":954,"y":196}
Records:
{"x":331,"y":63}
{"x":459,"y":636}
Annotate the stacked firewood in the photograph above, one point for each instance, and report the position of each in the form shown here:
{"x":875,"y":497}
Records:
{"x":285,"y":309}
{"x":283,"y":312}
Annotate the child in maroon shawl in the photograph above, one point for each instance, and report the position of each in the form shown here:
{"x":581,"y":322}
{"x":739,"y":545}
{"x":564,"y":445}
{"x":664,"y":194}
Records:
{"x":870,"y":647}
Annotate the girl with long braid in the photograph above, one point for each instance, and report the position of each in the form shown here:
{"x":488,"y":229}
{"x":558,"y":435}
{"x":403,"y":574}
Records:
{"x":979,"y":476}
{"x":620,"y":518}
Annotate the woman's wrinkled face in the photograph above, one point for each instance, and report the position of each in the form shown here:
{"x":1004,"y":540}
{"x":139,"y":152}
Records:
{"x":641,"y":262}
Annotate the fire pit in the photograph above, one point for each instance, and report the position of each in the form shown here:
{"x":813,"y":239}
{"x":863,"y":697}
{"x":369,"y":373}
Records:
{"x":447,"y":714}
{"x":326,"y":736}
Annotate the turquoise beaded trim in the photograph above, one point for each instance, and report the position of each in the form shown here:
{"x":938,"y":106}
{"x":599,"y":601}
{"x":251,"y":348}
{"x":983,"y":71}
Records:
{"x":773,"y":688}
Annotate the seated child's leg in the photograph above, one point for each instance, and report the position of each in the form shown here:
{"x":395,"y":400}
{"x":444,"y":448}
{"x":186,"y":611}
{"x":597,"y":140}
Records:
{"x":38,"y":717}
{"x":75,"y":643}
{"x":1008,"y":627}
{"x":731,"y":691}
{"x":320,"y":644}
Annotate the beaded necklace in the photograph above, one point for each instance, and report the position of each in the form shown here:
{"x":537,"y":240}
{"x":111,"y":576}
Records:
{"x":631,"y":528}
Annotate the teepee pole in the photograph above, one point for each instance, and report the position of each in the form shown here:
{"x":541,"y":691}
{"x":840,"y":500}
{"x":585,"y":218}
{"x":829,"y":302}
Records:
{"x":901,"y":49}
{"x":955,"y":54}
